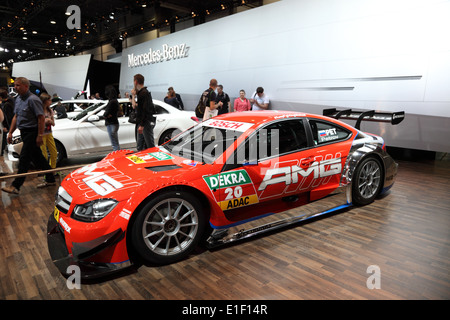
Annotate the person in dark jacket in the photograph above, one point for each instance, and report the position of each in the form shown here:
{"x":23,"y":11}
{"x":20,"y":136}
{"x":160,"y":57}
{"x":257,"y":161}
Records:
{"x":145,"y":110}
{"x":174,"y":99}
{"x":30,"y":120}
{"x":111,"y":121}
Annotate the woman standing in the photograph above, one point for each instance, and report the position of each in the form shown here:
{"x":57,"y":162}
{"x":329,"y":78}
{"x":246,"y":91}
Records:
{"x":111,"y":121}
{"x":47,"y":138}
{"x":242,"y":103}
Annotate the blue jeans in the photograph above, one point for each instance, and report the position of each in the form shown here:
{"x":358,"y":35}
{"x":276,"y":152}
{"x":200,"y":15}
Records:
{"x":113,"y":130}
{"x":146,"y":139}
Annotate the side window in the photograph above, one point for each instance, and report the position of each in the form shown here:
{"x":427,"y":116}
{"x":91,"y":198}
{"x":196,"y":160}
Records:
{"x":159,"y":109}
{"x":324,"y":132}
{"x":275,"y":139}
{"x":290,"y":134}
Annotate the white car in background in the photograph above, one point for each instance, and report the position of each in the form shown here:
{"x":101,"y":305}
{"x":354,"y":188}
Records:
{"x":86,"y":133}
{"x":74,"y":107}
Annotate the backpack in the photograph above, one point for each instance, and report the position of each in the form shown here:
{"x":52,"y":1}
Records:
{"x":201,"y":106}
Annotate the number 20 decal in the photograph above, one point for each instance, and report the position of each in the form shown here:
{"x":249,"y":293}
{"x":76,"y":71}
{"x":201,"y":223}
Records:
{"x":237,"y":192}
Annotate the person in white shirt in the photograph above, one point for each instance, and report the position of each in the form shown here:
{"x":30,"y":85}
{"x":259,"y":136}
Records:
{"x":259,"y":100}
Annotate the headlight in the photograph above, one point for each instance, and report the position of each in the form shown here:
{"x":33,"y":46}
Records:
{"x":94,"y":210}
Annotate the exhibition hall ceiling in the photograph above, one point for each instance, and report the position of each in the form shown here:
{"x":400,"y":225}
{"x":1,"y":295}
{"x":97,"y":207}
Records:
{"x":34,"y":29}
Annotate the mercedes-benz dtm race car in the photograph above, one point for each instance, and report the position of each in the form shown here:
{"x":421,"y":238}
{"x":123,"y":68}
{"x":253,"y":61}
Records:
{"x":230,"y":171}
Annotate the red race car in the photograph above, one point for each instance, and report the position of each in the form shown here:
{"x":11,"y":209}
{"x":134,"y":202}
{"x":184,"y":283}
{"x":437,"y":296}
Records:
{"x":234,"y":170}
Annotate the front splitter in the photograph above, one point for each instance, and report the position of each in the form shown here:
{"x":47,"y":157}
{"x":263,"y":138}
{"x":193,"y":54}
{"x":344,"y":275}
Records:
{"x":84,"y":253}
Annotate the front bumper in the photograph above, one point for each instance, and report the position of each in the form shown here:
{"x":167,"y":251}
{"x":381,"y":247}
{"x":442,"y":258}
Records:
{"x":83,"y":253}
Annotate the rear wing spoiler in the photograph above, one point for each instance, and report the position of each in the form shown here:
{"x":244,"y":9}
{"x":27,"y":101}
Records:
{"x":371,"y":115}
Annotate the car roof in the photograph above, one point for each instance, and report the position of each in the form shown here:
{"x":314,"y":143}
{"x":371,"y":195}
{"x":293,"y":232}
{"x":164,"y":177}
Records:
{"x":261,"y":117}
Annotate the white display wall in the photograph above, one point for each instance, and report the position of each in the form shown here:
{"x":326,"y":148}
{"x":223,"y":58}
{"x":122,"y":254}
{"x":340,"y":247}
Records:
{"x":311,"y":54}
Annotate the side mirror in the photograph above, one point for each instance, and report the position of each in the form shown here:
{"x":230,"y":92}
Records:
{"x":93,"y":118}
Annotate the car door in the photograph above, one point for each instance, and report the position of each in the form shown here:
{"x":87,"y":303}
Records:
{"x":91,"y":134}
{"x":268,"y":165}
{"x":331,"y":146}
{"x":127,"y":138}
{"x":162,"y":119}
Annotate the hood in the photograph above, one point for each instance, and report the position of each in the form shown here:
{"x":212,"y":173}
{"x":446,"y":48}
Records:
{"x":121,"y":173}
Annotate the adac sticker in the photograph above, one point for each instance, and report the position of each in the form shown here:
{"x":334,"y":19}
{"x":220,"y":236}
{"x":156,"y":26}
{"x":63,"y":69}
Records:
{"x":136,"y":159}
{"x":232,"y":189}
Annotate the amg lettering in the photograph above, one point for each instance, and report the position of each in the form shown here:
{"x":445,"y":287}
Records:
{"x":290,"y":174}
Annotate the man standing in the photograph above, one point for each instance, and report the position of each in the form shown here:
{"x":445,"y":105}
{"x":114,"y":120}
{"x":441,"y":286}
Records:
{"x":30,"y":120}
{"x":222,"y":100}
{"x":145,"y":110}
{"x":208,"y":102}
{"x":259,"y":100}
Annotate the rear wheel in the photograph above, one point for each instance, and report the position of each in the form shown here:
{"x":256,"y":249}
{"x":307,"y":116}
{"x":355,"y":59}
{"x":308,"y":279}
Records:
{"x":61,"y":152}
{"x":168,"y":228}
{"x":367,"y":181}
{"x":167,"y":135}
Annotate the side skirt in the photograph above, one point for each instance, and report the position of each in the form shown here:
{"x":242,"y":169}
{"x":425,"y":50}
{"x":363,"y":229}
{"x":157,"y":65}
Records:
{"x":220,"y":237}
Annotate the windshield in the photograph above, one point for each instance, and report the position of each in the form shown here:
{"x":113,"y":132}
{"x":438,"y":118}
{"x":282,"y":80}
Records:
{"x":206,"y":141}
{"x":86,"y":111}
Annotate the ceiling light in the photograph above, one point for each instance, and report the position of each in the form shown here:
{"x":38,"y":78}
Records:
{"x":52,"y":21}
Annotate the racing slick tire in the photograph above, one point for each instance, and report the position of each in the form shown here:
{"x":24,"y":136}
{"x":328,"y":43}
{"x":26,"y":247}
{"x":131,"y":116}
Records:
{"x":367,"y":181}
{"x":168,"y":228}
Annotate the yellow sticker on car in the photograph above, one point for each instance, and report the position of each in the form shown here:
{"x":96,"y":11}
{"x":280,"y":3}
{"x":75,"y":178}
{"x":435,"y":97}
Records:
{"x":56,"y":214}
{"x":238,"y":202}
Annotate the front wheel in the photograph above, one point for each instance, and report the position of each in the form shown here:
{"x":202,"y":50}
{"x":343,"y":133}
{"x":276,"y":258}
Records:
{"x":367,"y":181}
{"x":168,"y":228}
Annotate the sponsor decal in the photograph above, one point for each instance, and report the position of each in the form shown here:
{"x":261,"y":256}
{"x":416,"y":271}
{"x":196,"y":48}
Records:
{"x":229,"y":125}
{"x":161,"y":156}
{"x":126,"y":214}
{"x":56,"y":214}
{"x":327,"y":134}
{"x":136,"y":159}
{"x":228,"y":179}
{"x":64,"y":225}
{"x":190,"y":163}
{"x":232,"y":189}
